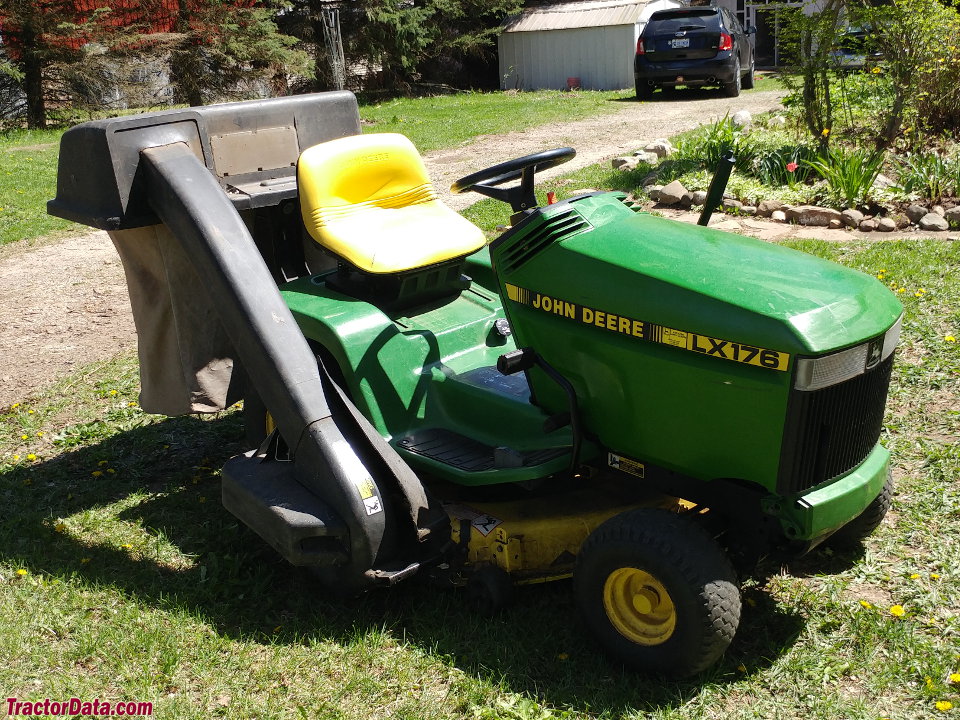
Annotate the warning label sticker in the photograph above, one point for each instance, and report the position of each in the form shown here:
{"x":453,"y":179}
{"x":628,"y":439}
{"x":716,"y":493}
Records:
{"x":627,"y":465}
{"x":366,"y":488}
{"x":651,"y":332}
{"x":373,"y":506}
{"x":486,"y":524}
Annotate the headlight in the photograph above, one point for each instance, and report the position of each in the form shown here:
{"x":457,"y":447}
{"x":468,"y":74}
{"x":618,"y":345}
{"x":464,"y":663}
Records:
{"x":821,"y":372}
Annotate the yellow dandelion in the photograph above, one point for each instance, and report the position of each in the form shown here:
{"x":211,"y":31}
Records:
{"x":950,"y":338}
{"x":131,"y":404}
{"x":111,"y":471}
{"x":928,"y":681}
{"x":16,"y":457}
{"x":943,"y":705}
{"x":22,"y":573}
{"x":900,"y":290}
{"x":96,"y":473}
{"x":741,"y":668}
{"x":897,"y":611}
{"x":84,"y":561}
{"x":39,"y":433}
{"x":825,"y":132}
{"x":915,"y":576}
{"x":922,"y":291}
{"x":113,"y":392}
{"x":15,"y":406}
{"x":934,"y":576}
{"x":29,"y":412}
{"x":563,"y":656}
{"x":126,"y":546}
{"x":876,"y":71}
{"x":31,"y":457}
{"x":866,"y":604}
{"x":102,"y":463}
{"x":24,"y":437}
{"x":954,"y":677}
{"x":60,"y":527}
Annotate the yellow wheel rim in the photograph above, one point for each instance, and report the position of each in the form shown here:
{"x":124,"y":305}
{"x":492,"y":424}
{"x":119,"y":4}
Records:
{"x":639,"y":606}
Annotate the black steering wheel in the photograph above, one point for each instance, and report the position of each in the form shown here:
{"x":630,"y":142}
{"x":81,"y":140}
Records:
{"x":520,"y":197}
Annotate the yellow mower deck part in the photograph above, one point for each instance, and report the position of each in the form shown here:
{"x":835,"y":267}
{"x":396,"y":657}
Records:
{"x":368,"y":199}
{"x":537,"y":540}
{"x":639,"y":606}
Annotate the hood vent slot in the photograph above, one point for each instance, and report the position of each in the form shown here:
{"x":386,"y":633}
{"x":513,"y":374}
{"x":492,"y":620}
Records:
{"x":556,"y":228}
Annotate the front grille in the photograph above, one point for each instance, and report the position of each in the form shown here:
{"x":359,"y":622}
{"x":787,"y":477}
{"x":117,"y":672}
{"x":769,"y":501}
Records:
{"x":555,"y":228}
{"x":829,"y":432}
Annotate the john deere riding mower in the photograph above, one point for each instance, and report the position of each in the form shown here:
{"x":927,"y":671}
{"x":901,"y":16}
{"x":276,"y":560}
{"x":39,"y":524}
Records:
{"x":597,"y":393}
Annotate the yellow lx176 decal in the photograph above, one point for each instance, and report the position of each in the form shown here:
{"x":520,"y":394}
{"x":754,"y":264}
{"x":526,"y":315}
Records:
{"x":651,"y":332}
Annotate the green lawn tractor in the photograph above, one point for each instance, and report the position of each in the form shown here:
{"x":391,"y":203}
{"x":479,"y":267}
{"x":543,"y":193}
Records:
{"x":598,"y":393}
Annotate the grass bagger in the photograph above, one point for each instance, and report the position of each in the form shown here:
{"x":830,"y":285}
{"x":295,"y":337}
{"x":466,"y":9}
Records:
{"x":598,"y":393}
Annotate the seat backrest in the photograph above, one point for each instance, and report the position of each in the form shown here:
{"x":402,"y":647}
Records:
{"x":368,"y":200}
{"x":353,"y":173}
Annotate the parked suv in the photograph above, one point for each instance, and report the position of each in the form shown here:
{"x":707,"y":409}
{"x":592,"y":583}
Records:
{"x":694,"y":46}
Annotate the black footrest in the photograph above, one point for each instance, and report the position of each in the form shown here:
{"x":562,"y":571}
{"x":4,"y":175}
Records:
{"x":266,"y":497}
{"x":461,"y":452}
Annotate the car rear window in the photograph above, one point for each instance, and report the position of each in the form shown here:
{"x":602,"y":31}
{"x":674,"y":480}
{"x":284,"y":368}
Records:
{"x":667,"y":21}
{"x":683,"y":13}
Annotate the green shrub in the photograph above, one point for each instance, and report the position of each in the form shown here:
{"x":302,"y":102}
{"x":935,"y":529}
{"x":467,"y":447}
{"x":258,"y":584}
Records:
{"x":711,"y":142}
{"x":850,"y":174}
{"x":773,"y":167}
{"x":929,"y":175}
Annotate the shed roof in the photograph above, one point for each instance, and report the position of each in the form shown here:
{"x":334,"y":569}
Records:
{"x":570,"y":15}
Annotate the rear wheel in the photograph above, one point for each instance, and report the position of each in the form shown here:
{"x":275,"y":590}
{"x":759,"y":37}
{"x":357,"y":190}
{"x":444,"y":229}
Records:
{"x":732,"y":88}
{"x":657,"y":592}
{"x":644,"y":91}
{"x":747,"y":82}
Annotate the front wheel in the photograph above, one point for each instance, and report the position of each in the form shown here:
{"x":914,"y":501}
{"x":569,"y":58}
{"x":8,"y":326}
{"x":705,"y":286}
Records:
{"x":858,"y":529}
{"x":658,"y":592}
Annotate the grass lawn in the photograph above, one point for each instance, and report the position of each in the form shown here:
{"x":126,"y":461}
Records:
{"x":28,"y":171}
{"x":122,"y":578}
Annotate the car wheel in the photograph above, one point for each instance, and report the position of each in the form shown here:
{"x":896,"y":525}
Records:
{"x":747,"y":82}
{"x":658,"y":593}
{"x":644,"y":91}
{"x":732,"y":88}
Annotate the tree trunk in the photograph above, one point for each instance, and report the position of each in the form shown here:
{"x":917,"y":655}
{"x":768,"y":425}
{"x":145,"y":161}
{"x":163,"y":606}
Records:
{"x":31,"y":64}
{"x":185,"y":68}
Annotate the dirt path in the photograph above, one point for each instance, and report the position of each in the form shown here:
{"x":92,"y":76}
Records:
{"x":63,"y":303}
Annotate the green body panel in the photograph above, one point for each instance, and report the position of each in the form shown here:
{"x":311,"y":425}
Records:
{"x":689,"y":411}
{"x":834,"y":504}
{"x":433,"y":369}
{"x":575,"y":297}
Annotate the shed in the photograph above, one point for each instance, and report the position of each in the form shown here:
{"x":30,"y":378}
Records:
{"x":591,"y":42}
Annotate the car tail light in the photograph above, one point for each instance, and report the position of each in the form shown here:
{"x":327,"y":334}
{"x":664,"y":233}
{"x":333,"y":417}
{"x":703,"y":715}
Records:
{"x":726,"y":42}
{"x":640,"y":50}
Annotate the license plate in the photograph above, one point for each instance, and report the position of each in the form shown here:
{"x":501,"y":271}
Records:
{"x":680,"y":43}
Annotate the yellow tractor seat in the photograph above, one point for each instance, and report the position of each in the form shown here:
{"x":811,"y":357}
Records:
{"x":368,"y":200}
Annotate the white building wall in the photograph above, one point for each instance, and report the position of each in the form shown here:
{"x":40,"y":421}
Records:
{"x":602,"y":57}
